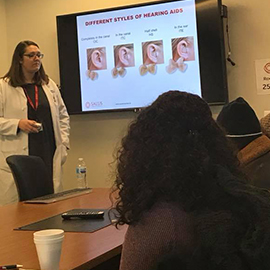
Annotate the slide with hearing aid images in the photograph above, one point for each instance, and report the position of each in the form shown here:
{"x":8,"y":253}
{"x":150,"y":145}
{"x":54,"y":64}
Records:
{"x":128,"y":57}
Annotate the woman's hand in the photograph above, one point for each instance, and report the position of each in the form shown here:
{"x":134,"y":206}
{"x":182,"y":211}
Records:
{"x":28,"y":126}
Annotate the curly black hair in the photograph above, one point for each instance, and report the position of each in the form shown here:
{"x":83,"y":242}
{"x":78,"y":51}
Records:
{"x":174,"y":151}
{"x":168,"y":154}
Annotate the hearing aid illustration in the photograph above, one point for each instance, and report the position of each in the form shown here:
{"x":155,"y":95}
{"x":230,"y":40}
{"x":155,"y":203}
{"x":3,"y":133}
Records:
{"x":182,"y":51}
{"x":152,"y":52}
{"x":96,"y":60}
{"x":123,"y":58}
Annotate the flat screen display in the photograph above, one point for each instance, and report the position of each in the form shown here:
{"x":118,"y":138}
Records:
{"x":124,"y":58}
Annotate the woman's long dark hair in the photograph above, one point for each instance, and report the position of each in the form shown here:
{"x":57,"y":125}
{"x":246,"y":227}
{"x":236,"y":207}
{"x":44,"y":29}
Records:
{"x":174,"y":151}
{"x":15,"y":75}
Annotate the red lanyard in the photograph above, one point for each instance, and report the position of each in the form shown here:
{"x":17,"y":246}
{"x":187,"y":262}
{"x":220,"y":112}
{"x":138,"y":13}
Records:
{"x":29,"y":99}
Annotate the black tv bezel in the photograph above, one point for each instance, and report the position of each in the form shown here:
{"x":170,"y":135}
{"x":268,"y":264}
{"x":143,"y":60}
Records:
{"x":211,"y":54}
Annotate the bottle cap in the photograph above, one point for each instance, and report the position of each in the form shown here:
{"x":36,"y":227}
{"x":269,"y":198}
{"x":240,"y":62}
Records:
{"x":80,"y":159}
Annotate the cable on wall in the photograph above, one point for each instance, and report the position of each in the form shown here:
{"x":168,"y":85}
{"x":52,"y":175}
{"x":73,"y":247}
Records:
{"x":224,"y":14}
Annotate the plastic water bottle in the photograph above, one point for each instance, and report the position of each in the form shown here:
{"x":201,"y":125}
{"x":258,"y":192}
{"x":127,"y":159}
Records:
{"x":81,"y":174}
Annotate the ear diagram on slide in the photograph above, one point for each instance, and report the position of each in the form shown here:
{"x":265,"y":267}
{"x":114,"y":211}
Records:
{"x":126,"y":57}
{"x":152,"y":55}
{"x":182,"y":51}
{"x":185,"y":50}
{"x":96,"y":60}
{"x":123,"y":58}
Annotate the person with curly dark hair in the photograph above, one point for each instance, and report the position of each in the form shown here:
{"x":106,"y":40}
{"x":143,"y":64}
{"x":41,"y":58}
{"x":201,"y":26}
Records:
{"x":181,"y":192}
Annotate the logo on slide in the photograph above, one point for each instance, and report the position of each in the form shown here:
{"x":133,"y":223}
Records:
{"x":267,"y":67}
{"x":93,"y":104}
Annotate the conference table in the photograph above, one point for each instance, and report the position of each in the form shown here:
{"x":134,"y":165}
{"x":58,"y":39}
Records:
{"x":80,"y":250}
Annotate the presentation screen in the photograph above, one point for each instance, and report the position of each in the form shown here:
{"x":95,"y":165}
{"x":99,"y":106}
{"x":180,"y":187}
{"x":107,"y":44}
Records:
{"x":124,"y":58}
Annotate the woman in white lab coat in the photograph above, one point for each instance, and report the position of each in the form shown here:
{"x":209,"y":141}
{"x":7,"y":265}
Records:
{"x":28,"y":98}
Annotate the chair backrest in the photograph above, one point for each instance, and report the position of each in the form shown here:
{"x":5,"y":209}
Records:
{"x":31,"y":176}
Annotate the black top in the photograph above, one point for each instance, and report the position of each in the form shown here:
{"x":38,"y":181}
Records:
{"x":41,"y":144}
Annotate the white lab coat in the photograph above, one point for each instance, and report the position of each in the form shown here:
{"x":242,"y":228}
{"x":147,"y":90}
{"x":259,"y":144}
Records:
{"x":13,"y":107}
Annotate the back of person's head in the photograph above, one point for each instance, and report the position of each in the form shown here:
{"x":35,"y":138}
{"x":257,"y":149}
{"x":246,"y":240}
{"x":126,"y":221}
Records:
{"x":174,"y":151}
{"x":240,"y":122}
{"x":170,"y":153}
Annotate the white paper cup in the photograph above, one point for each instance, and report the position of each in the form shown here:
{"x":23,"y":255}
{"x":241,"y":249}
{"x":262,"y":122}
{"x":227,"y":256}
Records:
{"x":49,"y":248}
{"x":48,"y":234}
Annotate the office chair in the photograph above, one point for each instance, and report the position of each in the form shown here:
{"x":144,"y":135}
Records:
{"x":31,"y":176}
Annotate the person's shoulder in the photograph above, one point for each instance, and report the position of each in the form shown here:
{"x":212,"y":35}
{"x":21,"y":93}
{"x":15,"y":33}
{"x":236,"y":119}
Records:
{"x":51,"y":84}
{"x":166,"y":214}
{"x":4,"y":82}
{"x":51,"y":81}
{"x":166,"y":221}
